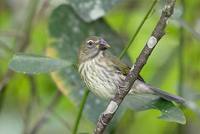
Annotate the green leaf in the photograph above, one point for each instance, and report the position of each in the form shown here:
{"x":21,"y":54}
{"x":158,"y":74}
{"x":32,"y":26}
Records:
{"x":32,"y":64}
{"x":169,"y":111}
{"x":90,"y":10}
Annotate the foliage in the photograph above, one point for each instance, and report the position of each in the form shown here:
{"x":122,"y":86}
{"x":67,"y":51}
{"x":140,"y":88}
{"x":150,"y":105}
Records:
{"x":36,"y":64}
{"x":68,"y":25}
{"x":67,"y":47}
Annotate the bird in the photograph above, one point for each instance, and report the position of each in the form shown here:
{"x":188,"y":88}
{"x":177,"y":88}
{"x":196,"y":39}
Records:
{"x":102,"y":72}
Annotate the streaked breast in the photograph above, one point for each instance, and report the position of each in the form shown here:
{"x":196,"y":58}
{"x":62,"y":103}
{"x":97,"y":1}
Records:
{"x":99,"y":77}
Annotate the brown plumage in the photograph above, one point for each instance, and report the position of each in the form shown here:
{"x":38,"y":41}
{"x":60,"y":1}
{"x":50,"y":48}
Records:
{"x":102,"y":72}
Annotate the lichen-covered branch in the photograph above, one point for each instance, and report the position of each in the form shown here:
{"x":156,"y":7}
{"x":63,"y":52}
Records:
{"x":126,"y":85}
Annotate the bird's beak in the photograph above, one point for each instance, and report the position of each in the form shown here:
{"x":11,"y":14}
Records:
{"x":102,"y":44}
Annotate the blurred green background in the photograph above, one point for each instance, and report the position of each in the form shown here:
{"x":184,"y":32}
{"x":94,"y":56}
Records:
{"x":34,"y":103}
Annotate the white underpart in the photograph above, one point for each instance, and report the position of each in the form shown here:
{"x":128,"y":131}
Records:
{"x":103,"y":88}
{"x":151,"y":42}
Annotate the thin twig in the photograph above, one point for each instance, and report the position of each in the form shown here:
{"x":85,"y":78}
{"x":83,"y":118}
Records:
{"x":44,"y":116}
{"x":82,"y":105}
{"x":41,"y":12}
{"x":5,"y":47}
{"x":138,"y":29}
{"x":29,"y":107}
{"x":24,"y":41}
{"x":83,"y":102}
{"x":2,"y":96}
{"x":126,"y":85}
{"x":195,"y":34}
{"x":11,"y":33}
{"x":5,"y":79}
{"x":180,"y":52}
{"x":59,"y":118}
{"x":181,"y":60}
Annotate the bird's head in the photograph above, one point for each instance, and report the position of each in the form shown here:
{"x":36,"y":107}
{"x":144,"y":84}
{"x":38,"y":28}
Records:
{"x":91,"y":47}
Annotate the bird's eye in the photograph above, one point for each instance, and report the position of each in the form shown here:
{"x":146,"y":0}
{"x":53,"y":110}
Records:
{"x":90,"y":42}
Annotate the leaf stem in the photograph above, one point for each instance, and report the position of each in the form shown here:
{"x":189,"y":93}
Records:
{"x":83,"y":102}
{"x":180,"y":52}
{"x":138,"y":29}
{"x":181,"y":59}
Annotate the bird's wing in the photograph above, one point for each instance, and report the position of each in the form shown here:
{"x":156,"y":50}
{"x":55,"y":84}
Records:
{"x":121,"y":67}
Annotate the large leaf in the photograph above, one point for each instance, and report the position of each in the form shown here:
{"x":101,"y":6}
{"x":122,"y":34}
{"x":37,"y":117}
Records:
{"x":90,"y":10}
{"x":169,"y":111}
{"x":70,"y":31}
{"x":33,"y":64}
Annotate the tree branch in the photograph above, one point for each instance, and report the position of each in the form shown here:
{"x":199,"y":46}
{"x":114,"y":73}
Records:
{"x":126,"y":85}
{"x":32,"y":99}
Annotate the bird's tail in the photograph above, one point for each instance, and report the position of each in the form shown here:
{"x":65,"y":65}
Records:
{"x":141,"y":87}
{"x":167,"y":96}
